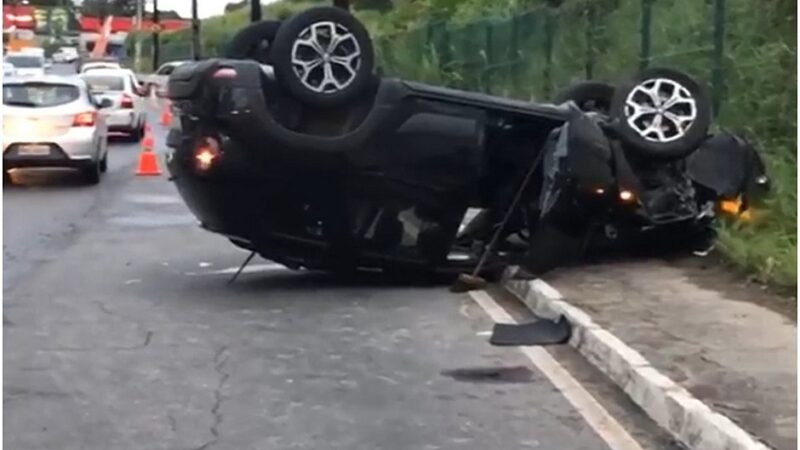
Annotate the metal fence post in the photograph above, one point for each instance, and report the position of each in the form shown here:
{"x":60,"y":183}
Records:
{"x":646,"y":25}
{"x":516,"y":63}
{"x":445,"y":54}
{"x":156,"y":44}
{"x":717,"y":78}
{"x":487,"y":71}
{"x":549,"y":32}
{"x":196,"y":48}
{"x":591,"y":32}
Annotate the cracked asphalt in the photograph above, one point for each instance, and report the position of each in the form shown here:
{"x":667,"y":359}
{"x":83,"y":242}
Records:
{"x":120,"y":332}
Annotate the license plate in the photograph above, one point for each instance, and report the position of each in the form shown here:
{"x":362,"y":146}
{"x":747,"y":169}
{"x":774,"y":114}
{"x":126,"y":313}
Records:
{"x":34,"y":149}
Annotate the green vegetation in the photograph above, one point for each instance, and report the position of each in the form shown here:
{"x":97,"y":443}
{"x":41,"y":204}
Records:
{"x":215,"y":34}
{"x":531,"y":48}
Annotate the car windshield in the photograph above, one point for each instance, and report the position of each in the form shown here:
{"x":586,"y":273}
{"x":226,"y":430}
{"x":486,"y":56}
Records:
{"x":25,"y":61}
{"x":105,"y":83}
{"x":39,"y":95}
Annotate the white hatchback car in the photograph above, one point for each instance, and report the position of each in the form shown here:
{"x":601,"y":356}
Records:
{"x":120,"y":86}
{"x":51,"y":122}
{"x":26,"y":64}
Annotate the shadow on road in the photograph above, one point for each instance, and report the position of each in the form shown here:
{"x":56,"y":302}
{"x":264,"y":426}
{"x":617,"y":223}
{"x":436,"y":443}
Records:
{"x":45,"y":178}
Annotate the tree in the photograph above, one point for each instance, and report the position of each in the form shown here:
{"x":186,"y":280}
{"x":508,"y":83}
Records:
{"x":377,"y":5}
{"x":235,"y":6}
{"x":47,"y":3}
{"x":105,"y":8}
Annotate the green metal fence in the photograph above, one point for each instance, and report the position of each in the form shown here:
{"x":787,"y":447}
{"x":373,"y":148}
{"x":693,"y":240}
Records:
{"x":532,"y":54}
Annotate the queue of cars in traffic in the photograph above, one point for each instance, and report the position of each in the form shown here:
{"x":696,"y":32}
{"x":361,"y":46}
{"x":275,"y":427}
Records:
{"x":64,"y":121}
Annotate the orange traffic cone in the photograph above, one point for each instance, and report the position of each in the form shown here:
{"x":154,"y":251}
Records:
{"x":166,"y":114}
{"x":148,"y":164}
{"x":147,"y":140}
{"x":148,"y":161}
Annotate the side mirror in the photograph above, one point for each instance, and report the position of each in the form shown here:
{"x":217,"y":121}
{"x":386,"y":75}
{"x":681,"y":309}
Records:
{"x":105,"y":103}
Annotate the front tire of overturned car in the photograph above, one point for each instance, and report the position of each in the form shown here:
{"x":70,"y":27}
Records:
{"x":588,"y":95}
{"x":323,"y":70}
{"x":662,"y":114}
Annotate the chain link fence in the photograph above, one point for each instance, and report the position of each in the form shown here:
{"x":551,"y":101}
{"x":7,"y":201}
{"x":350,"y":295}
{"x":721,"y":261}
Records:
{"x":533,"y":54}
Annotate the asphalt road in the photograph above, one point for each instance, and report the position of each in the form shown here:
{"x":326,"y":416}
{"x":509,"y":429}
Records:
{"x":121,"y":333}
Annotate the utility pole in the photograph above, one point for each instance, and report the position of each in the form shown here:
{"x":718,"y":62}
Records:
{"x":195,"y":32}
{"x":255,"y":10}
{"x":138,"y":43}
{"x":156,"y":31}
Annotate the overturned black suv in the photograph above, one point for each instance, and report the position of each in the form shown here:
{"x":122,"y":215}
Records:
{"x":294,"y":148}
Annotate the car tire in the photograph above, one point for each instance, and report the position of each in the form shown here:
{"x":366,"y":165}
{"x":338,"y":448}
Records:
{"x":683,"y":130}
{"x":334,"y":76}
{"x":254,"y":41}
{"x":593,"y":96}
{"x":91,"y":173}
{"x":103,"y":165}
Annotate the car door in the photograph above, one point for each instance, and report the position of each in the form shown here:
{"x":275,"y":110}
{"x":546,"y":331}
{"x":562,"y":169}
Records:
{"x":134,"y":89}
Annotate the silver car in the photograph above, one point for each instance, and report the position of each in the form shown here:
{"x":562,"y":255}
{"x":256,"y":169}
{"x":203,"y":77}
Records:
{"x":158,"y":81}
{"x":127,"y":113}
{"x":51,"y":121}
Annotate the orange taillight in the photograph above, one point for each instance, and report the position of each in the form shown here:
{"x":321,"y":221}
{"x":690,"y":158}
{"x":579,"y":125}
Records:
{"x":85,"y":119}
{"x":126,"y":102}
{"x":206,"y":153}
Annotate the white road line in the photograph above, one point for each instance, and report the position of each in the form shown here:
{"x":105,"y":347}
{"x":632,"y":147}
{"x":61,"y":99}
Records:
{"x":595,"y":415}
{"x":252,"y":268}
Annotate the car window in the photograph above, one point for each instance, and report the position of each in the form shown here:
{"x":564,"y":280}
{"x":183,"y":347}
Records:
{"x":25,"y":61}
{"x":39,"y":95}
{"x":105,"y":83}
{"x":133,"y":81}
{"x":165,"y":70}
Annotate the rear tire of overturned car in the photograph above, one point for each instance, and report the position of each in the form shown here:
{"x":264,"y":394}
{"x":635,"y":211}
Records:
{"x":323,"y":56}
{"x":662,"y":114}
{"x":254,"y":41}
{"x":589,"y":96}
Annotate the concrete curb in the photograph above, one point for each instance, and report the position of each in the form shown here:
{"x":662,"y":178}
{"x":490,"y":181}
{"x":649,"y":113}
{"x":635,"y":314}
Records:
{"x":671,"y":406}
